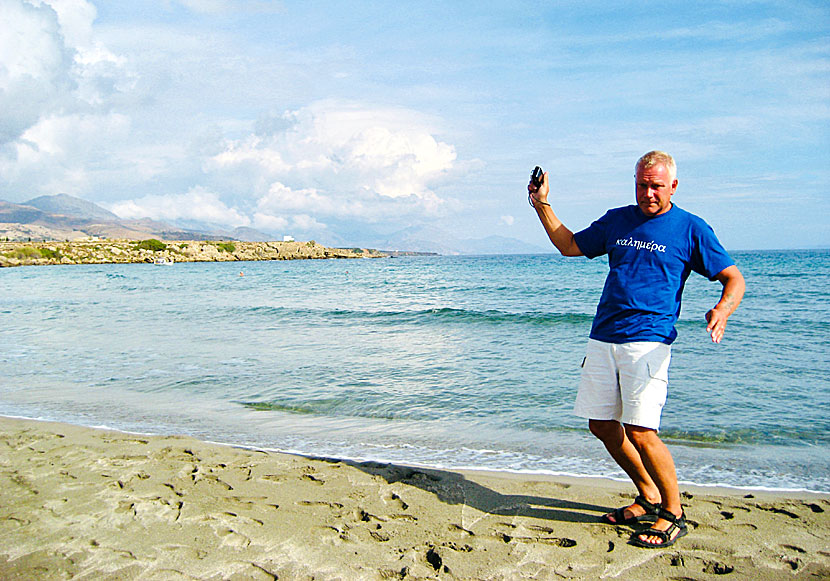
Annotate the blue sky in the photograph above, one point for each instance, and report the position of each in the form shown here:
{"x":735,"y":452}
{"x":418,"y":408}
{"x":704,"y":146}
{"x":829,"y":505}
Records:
{"x":347,"y":121}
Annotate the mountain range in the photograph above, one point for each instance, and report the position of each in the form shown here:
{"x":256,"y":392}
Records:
{"x":65,"y":217}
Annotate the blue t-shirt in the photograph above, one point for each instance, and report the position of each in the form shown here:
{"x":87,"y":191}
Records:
{"x":649,"y":259}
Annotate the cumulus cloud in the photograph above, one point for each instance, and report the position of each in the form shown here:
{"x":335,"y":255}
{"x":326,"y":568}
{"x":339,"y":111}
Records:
{"x":35,"y":67}
{"x":75,"y":118}
{"x":281,"y":198}
{"x":57,"y":125}
{"x":341,"y":160}
{"x":62,"y":153}
{"x":303,"y":224}
{"x":269,"y":223}
{"x":197,"y":204}
{"x":50,"y":63}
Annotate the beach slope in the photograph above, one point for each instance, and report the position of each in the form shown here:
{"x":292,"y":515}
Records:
{"x":83,"y":503}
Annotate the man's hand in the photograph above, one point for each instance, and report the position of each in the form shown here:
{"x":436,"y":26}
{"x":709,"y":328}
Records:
{"x":559,"y":235}
{"x":539,"y":193}
{"x":733,"y":291}
{"x":716,"y":324}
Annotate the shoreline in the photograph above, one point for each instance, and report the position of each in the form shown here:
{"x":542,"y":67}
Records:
{"x":90,"y":503}
{"x":124,"y":251}
{"x":445,"y":461}
{"x":597,"y":480}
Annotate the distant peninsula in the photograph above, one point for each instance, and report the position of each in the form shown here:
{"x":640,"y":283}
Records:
{"x":106,"y":251}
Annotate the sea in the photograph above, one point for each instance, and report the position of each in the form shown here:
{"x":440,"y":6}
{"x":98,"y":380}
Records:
{"x":451,"y":362}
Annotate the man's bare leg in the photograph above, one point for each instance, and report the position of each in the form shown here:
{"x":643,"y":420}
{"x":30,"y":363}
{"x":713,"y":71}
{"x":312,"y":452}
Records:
{"x":626,"y":455}
{"x":658,"y":462}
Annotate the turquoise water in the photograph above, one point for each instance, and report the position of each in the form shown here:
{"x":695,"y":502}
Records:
{"x":441,"y":361}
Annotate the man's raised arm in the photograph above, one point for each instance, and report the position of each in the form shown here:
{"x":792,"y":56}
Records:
{"x":733,"y":291}
{"x":561,"y":237}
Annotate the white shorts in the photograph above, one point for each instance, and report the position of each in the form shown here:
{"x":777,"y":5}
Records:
{"x":624,"y":382}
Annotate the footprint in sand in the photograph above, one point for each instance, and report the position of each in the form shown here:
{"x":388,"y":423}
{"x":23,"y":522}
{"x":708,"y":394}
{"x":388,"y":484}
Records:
{"x":320,"y":503}
{"x":459,"y":529}
{"x":20,"y":522}
{"x":458,"y":548}
{"x":235,"y":518}
{"x":232,"y":538}
{"x":777,"y":510}
{"x":397,"y":500}
{"x":717,"y":568}
{"x":361,"y":515}
{"x":403,"y":517}
{"x":563,"y":542}
{"x":185,"y":552}
{"x":691,"y":562}
{"x":24,"y":483}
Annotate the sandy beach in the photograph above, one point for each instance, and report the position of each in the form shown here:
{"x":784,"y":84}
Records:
{"x":80,"y":503}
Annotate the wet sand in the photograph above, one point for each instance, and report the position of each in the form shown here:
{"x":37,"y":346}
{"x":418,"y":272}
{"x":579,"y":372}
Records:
{"x":81,"y":503}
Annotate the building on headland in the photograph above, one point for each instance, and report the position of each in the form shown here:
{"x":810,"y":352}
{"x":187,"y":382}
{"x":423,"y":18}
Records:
{"x":288,"y":238}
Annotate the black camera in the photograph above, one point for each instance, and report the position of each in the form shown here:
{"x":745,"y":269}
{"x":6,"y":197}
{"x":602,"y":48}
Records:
{"x":537,"y":176}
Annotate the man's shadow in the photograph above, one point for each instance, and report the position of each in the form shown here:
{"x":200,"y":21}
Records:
{"x":455,"y":488}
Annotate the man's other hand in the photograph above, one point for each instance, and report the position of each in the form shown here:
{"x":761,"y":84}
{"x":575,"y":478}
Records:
{"x":716,"y":324}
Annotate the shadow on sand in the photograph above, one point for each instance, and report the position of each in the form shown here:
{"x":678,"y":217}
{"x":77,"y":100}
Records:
{"x":455,"y":488}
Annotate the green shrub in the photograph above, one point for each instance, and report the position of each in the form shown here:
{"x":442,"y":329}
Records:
{"x":49,"y":253}
{"x":23,"y":253}
{"x":226,"y":246}
{"x":151,"y":244}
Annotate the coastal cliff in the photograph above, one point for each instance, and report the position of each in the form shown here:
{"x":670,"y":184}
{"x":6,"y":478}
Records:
{"x":132,"y":251}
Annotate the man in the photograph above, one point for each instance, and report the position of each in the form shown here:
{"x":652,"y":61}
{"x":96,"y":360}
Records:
{"x":652,"y":247}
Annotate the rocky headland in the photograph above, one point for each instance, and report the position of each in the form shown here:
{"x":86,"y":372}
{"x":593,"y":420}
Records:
{"x":155,"y":251}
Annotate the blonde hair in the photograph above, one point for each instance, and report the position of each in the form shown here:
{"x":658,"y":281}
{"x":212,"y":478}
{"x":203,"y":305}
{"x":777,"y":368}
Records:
{"x":653,"y":158}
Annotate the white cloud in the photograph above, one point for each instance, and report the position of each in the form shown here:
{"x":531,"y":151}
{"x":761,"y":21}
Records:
{"x":75,"y":18}
{"x":62,"y":153}
{"x":507,"y":220}
{"x":59,"y":136}
{"x":197,"y":204}
{"x":302,"y":224}
{"x":269,"y":223}
{"x":51,"y":64}
{"x":34,"y":67}
{"x":58,"y":129}
{"x":341,"y":160}
{"x":254,"y":152}
{"x":281,"y":198}
{"x":307,"y":223}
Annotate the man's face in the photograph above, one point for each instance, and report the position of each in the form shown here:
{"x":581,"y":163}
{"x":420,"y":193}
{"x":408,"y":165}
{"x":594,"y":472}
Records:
{"x":654,"y":190}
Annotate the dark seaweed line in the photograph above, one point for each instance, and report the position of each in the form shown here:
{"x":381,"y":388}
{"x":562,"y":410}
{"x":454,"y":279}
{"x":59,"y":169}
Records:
{"x":424,"y":315}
